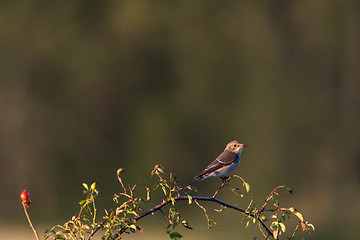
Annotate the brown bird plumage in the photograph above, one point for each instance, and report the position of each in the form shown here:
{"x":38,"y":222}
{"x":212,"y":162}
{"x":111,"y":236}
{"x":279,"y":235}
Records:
{"x":225,"y":163}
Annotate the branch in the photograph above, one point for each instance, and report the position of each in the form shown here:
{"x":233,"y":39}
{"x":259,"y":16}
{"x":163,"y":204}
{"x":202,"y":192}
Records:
{"x":208,"y":199}
{"x":100,"y":226}
{"x":31,"y":225}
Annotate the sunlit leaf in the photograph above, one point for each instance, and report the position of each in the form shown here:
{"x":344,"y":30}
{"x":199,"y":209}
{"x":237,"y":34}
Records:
{"x":139,"y":229}
{"x":190,"y":199}
{"x":147,"y":193}
{"x":274,"y":225}
{"x":172,"y":176}
{"x":282,"y":226}
{"x":186,"y":224}
{"x":275,"y":233}
{"x":164,"y":189}
{"x":119,"y":171}
{"x":93,"y":186}
{"x":309,"y":225}
{"x":85,"y":186}
{"x":292,"y":209}
{"x":132,"y":212}
{"x":247,"y":224}
{"x":247,"y":186}
{"x":299,"y":215}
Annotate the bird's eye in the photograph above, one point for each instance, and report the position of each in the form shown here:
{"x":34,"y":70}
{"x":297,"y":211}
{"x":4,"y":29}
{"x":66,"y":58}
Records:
{"x":235,"y":145}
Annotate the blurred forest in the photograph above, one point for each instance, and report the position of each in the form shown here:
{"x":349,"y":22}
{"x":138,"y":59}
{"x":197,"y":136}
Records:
{"x":87,"y":87}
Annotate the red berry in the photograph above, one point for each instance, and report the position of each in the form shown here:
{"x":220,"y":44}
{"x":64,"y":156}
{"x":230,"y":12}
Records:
{"x":24,"y":195}
{"x":27,"y":202}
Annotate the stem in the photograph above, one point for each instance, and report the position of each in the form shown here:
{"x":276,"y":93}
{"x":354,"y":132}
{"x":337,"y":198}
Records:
{"x":100,"y":226}
{"x":198,"y":198}
{"x":31,"y":225}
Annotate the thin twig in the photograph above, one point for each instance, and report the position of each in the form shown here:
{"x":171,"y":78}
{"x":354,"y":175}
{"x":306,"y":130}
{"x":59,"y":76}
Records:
{"x":222,"y":185}
{"x":100,"y":226}
{"x":31,"y":225}
{"x":269,"y":197}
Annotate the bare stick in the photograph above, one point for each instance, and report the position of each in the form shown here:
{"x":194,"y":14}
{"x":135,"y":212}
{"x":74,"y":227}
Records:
{"x":31,"y":225}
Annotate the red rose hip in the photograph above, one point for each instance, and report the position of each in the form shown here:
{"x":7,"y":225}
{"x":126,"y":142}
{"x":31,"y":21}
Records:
{"x":24,"y":195}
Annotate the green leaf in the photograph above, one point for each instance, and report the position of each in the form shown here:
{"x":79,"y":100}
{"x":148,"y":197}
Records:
{"x":172,"y":176}
{"x":175,"y":235}
{"x":247,"y":224}
{"x":289,"y":189}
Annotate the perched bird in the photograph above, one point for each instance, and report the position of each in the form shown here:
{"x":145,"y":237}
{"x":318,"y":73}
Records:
{"x":225,"y":163}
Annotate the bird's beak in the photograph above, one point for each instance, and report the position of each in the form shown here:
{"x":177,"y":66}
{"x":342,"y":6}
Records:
{"x":245,"y":145}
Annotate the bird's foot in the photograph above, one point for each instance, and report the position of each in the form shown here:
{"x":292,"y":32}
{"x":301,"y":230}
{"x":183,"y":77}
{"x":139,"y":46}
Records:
{"x":225,"y":179}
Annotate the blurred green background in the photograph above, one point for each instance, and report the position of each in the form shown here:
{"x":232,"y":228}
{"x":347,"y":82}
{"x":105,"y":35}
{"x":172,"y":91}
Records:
{"x":87,"y":87}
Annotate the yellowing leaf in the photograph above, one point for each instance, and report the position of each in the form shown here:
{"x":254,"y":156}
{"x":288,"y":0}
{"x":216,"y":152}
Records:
{"x":292,"y":209}
{"x":93,"y":186}
{"x":309,"y":225}
{"x":275,"y":233}
{"x":132,"y":226}
{"x":119,"y":171}
{"x":282,"y":226}
{"x":299,"y":215}
{"x":247,"y":186}
{"x":190,"y":199}
{"x":247,"y":224}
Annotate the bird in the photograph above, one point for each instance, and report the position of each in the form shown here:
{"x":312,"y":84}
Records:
{"x":225,"y":163}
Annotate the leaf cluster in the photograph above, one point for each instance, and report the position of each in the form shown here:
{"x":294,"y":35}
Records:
{"x":270,"y":217}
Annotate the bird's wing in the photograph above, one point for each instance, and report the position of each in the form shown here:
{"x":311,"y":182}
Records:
{"x":224,"y":159}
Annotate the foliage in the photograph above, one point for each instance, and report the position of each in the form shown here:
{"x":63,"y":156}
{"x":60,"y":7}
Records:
{"x":124,"y":219}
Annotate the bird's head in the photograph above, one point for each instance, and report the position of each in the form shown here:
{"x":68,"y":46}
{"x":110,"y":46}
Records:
{"x":235,"y":146}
